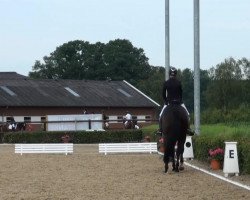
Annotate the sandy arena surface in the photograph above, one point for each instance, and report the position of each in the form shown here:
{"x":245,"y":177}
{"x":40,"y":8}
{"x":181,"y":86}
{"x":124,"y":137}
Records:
{"x":86,"y":174}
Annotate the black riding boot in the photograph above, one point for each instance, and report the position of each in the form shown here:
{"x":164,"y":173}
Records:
{"x":159,"y":131}
{"x":190,"y":132}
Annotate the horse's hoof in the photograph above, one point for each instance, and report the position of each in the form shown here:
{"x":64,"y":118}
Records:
{"x":166,"y":168}
{"x":176,"y":170}
{"x":181,"y":168}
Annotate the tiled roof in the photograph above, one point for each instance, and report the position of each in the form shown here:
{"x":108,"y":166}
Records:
{"x":18,"y":90}
{"x":11,"y":75}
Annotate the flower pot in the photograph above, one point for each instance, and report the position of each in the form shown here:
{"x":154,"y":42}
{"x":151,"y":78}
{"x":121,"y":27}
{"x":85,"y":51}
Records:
{"x":65,"y":139}
{"x":215,"y":164}
{"x":146,"y":139}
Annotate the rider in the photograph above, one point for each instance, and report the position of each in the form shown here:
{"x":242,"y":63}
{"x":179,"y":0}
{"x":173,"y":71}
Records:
{"x":172,"y":93}
{"x":128,"y":118}
{"x":12,"y":123}
{"x":105,"y":118}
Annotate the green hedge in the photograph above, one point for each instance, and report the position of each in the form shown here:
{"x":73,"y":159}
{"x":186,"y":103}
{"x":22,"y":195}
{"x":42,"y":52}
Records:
{"x":83,"y":137}
{"x":202,"y":144}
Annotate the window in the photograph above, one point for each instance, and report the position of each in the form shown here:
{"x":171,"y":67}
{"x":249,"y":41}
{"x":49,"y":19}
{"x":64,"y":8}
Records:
{"x":27,"y":119}
{"x":7,"y":90}
{"x":72,"y":91}
{"x":43,"y":119}
{"x":119,"y":118}
{"x":124,"y":92}
{"x":43,"y":126}
{"x":9,"y":119}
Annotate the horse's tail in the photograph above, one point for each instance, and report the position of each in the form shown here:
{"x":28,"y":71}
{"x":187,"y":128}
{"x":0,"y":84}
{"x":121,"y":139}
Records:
{"x":177,"y":122}
{"x":182,"y":121}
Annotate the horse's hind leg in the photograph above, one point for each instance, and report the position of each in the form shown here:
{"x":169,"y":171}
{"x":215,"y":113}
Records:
{"x":172,"y":155}
{"x":173,"y":163}
{"x":166,"y":159}
{"x":180,"y":159}
{"x":166,"y":167}
{"x":181,"y":163}
{"x":177,"y":163}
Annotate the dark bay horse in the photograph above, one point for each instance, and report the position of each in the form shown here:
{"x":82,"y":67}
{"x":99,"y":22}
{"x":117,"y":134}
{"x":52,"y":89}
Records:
{"x":129,"y":124}
{"x":7,"y":127}
{"x":174,"y":129}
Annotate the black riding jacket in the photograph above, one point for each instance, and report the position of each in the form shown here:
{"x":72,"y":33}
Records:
{"x":172,"y":91}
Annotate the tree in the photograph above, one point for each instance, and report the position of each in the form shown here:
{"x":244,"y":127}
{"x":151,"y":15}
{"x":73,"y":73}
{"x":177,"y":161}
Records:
{"x":186,"y":78}
{"x":245,"y":82}
{"x":72,"y":60}
{"x":223,"y":92}
{"x":245,"y":65}
{"x":204,"y":83}
{"x":116,"y":60}
{"x":152,"y":86}
{"x":124,"y":61}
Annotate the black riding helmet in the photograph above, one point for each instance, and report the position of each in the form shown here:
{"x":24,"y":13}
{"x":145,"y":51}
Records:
{"x":172,"y":71}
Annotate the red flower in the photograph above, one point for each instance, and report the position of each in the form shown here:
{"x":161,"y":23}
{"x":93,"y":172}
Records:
{"x":217,"y":154}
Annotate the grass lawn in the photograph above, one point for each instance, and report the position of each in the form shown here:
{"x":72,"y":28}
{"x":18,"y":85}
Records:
{"x":241,"y":128}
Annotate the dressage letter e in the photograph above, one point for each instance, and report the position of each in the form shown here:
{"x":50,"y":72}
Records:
{"x":231,"y":153}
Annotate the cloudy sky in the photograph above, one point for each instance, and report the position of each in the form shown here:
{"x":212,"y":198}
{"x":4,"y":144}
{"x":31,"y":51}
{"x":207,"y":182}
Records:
{"x":32,"y":29}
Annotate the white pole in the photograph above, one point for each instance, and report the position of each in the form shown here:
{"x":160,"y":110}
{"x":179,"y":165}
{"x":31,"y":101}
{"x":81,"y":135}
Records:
{"x":197,"y":66}
{"x":167,"y":43}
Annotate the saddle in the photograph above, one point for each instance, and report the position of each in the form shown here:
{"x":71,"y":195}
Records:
{"x":175,"y":102}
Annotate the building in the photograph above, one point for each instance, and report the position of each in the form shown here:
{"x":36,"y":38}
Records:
{"x":31,"y":100}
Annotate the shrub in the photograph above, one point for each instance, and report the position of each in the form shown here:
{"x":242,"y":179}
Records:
{"x":75,"y":137}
